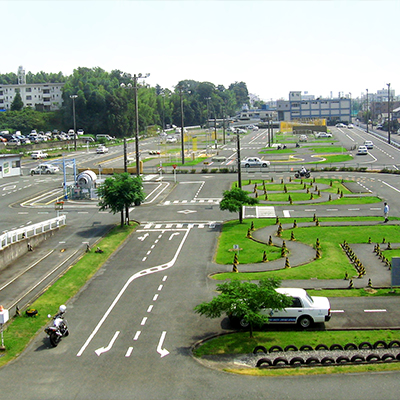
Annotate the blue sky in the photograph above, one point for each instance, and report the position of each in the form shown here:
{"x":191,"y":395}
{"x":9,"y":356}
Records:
{"x":275,"y":47}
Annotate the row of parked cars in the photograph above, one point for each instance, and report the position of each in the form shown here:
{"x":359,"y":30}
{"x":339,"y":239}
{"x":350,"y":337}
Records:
{"x":37,"y":137}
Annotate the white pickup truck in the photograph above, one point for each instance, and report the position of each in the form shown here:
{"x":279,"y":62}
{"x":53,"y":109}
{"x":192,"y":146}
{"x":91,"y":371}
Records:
{"x":304,"y":310}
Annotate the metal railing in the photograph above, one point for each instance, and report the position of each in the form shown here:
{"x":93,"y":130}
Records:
{"x":30,"y":230}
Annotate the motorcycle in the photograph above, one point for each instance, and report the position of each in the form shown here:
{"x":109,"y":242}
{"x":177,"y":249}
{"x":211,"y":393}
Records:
{"x":302,"y":174}
{"x":58,"y":329}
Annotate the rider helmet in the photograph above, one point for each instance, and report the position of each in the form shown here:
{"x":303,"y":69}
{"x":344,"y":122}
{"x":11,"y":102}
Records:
{"x":62,"y":308}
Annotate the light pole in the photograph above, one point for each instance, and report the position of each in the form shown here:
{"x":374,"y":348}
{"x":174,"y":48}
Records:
{"x":182,"y":127}
{"x":129,"y":86}
{"x":388,"y":85}
{"x":73,"y":97}
{"x":367,"y":111}
{"x":350,"y":109}
{"x":239,"y":171}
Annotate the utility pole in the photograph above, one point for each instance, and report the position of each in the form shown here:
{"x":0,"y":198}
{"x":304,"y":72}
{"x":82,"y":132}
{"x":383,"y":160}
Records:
{"x":388,"y":85}
{"x":367,"y":111}
{"x":239,"y":171}
{"x":182,"y":128}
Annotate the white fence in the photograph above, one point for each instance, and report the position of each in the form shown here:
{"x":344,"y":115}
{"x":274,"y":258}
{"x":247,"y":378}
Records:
{"x":31,"y":230}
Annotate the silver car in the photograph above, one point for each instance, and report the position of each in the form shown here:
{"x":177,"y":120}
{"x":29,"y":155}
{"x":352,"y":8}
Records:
{"x":249,"y":162}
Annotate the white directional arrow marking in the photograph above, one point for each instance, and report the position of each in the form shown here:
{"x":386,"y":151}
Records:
{"x":160,"y":350}
{"x":102,"y":350}
{"x":175,"y":233}
{"x":143,"y":237}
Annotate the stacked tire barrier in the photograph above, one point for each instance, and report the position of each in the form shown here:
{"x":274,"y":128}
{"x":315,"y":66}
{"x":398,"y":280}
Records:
{"x":323,"y":355}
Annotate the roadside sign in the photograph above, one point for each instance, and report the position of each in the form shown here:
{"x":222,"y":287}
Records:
{"x":174,"y":166}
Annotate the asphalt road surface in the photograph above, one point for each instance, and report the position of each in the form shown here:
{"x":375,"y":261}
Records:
{"x":132,"y":326}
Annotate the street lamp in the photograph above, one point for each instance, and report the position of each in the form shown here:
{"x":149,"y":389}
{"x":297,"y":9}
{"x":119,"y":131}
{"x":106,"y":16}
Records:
{"x":182,"y":128}
{"x":239,"y":171}
{"x":73,"y":97}
{"x":367,"y":111}
{"x":129,"y":86}
{"x":350,"y":108}
{"x":388,"y":85}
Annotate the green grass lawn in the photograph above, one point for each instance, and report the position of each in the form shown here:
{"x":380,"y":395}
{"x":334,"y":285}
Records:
{"x":333,"y":264}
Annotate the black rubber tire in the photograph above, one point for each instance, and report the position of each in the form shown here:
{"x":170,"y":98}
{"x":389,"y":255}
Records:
{"x":243,"y":323}
{"x":365,"y":345}
{"x":398,"y":357}
{"x":54,"y":339}
{"x":388,"y":357}
{"x":247,"y":165}
{"x":32,"y":173}
{"x":380,"y":344}
{"x":262,"y":348}
{"x":291,"y":347}
{"x":273,"y":349}
{"x":296,"y":361}
{"x":321,"y":347}
{"x":342,"y":360}
{"x":306,"y":347}
{"x":262,"y":361}
{"x":336,"y":346}
{"x":48,"y":172}
{"x":264,"y":165}
{"x":312,"y":360}
{"x":305,"y":322}
{"x":350,"y":346}
{"x":372,"y":357}
{"x":357,"y":358}
{"x":327,"y":360}
{"x":280,"y":360}
{"x":394,"y":343}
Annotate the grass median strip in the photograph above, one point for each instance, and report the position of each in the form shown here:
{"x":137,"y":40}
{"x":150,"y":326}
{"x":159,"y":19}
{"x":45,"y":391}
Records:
{"x":21,"y":329}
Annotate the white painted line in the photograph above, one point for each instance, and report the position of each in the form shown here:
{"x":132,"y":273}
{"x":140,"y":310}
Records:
{"x":144,"y":258}
{"x":124,"y":288}
{"x":392,"y":187}
{"x":337,"y":311}
{"x":310,"y":209}
{"x":150,"y":308}
{"x":137,"y":334}
{"x":155,"y":297}
{"x":354,"y":209}
{"x":377,"y":310}
{"x":129,"y":352}
{"x":143,"y":321}
{"x":160,"y":288}
{"x":165,"y":277}
{"x":331,"y":209}
{"x":148,"y":252}
{"x":286,"y":213}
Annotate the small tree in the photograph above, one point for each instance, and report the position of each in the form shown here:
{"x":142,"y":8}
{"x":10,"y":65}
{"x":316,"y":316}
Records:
{"x":245,"y":300}
{"x":17,"y":104}
{"x":233,"y":200}
{"x":119,"y":193}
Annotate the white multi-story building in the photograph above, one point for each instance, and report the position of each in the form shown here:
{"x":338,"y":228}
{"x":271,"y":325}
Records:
{"x":298,"y":108}
{"x":41,"y":96}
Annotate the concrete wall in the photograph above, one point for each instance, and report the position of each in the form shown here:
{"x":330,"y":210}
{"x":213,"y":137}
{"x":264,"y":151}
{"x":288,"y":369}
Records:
{"x":18,"y":249}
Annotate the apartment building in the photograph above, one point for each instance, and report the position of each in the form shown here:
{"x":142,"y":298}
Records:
{"x":40,"y":96}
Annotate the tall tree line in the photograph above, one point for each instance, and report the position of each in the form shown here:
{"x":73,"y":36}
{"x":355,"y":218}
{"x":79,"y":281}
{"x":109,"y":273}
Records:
{"x":103,"y":106}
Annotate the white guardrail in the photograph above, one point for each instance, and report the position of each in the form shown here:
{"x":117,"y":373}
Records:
{"x":30,"y":230}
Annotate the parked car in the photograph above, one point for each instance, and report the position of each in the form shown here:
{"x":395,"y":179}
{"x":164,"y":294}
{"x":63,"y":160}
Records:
{"x":171,"y":139}
{"x":350,"y":126}
{"x":44,"y":169}
{"x":340,"y":125}
{"x":254,"y":162}
{"x":37,"y":154}
{"x":303,"y":138}
{"x":304,"y":311}
{"x":80,"y":131}
{"x":369,"y":144}
{"x":102,"y":150}
{"x":323,"y":135}
{"x":362,"y":150}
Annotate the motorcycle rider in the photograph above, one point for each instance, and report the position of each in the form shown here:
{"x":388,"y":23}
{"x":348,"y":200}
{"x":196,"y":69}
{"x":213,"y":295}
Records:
{"x":303,"y":170}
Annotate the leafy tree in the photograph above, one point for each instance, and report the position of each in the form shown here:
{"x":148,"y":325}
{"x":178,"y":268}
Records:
{"x":233,"y":200}
{"x":120,"y":192}
{"x":17,"y":103}
{"x":245,"y":300}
